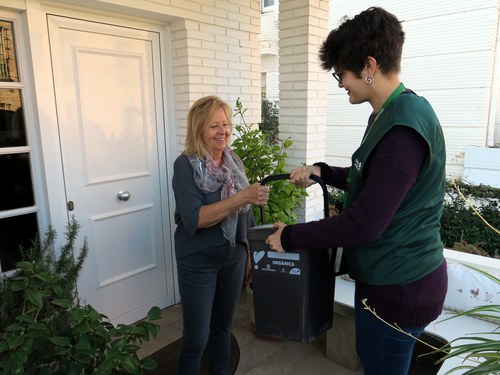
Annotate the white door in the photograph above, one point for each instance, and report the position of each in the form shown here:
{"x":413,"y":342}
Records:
{"x":110,"y":117}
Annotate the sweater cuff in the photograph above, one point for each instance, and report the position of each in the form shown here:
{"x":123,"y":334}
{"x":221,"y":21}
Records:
{"x":326,"y":171}
{"x":286,"y":238}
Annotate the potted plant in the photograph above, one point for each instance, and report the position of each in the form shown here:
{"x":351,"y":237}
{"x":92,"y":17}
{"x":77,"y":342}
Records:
{"x":46,"y":329}
{"x":264,"y":154}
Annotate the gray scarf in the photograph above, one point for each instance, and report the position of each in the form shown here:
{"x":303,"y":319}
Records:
{"x":229,"y":178}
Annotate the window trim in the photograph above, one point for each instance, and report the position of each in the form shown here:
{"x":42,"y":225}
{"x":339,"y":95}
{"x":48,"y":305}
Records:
{"x":268,"y":8}
{"x":26,"y":86}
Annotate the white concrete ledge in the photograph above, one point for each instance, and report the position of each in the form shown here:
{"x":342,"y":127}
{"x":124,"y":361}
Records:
{"x":490,"y":265}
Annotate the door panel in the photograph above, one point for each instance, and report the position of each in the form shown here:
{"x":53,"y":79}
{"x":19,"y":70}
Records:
{"x":107,"y":82}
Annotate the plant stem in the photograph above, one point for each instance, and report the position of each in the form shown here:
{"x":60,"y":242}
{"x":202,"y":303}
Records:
{"x":399,"y":329}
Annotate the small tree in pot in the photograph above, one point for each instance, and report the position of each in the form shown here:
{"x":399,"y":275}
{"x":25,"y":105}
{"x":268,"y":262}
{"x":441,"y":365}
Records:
{"x":264,"y":154}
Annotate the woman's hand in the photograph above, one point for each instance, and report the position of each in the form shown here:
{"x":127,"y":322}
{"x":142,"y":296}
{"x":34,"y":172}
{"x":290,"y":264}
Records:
{"x":258,"y":194}
{"x":274,"y":240}
{"x":300,"y":176}
{"x":212,"y":214}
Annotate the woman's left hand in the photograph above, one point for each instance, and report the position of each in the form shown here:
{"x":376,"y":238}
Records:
{"x":274,"y":240}
{"x":258,"y":194}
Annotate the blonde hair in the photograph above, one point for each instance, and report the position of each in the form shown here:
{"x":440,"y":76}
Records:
{"x":199,"y":115}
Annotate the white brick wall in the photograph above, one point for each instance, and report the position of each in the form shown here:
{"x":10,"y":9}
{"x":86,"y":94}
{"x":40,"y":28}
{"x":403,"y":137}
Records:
{"x":445,"y":42}
{"x":439,"y":35}
{"x":215,"y":51}
{"x":303,"y":88}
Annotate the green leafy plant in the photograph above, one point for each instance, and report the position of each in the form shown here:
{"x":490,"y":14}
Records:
{"x":463,"y":223}
{"x":262,"y":157}
{"x":269,"y":124}
{"x":336,"y":198}
{"x":464,"y":227}
{"x":44,"y":329}
{"x":468,"y":248}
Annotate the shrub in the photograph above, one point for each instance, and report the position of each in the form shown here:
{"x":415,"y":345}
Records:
{"x":269,"y":124}
{"x":262,"y":157}
{"x":336,"y":199}
{"x":462,"y":226}
{"x":46,"y":330}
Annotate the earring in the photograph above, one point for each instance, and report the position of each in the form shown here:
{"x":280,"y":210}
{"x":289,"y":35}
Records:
{"x":369,"y":80}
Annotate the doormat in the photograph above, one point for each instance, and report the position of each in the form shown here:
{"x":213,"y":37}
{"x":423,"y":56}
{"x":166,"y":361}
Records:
{"x":167,"y":359}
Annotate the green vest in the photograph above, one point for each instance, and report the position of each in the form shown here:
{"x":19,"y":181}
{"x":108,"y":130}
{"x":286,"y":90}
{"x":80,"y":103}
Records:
{"x":411,"y":246}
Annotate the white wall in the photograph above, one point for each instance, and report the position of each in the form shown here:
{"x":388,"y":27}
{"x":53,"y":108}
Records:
{"x":482,"y":165}
{"x":303,"y":88}
{"x":448,"y":57}
{"x":269,"y":39}
{"x":270,"y":70}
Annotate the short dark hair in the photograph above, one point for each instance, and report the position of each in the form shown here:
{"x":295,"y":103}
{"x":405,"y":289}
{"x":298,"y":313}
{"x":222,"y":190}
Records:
{"x":373,"y":32}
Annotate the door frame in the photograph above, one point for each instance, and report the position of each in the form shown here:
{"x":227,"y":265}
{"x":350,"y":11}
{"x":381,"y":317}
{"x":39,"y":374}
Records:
{"x":47,"y":118}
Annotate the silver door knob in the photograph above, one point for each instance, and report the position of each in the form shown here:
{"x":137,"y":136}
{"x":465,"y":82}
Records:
{"x":123,"y":195}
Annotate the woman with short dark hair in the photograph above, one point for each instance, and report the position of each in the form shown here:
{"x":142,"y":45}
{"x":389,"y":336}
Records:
{"x":389,"y":226}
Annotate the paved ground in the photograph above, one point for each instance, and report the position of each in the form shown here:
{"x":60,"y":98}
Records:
{"x":258,"y":356}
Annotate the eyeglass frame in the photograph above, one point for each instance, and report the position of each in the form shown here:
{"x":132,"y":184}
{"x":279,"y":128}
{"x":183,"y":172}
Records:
{"x":338,"y":76}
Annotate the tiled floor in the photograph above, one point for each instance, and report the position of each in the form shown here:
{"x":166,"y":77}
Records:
{"x":258,"y":356}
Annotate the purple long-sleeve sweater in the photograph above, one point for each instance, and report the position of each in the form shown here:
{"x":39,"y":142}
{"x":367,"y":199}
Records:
{"x":392,"y":169}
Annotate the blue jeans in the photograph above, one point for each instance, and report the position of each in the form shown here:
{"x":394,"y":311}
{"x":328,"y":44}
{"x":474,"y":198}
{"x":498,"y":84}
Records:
{"x":382,"y":349}
{"x":210,"y":283}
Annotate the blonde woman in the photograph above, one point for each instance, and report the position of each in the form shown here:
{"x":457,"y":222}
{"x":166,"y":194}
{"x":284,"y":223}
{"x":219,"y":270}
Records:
{"x":212,"y":213}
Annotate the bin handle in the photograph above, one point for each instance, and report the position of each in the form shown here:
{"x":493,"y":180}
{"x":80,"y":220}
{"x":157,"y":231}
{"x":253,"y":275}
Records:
{"x":286,"y":176}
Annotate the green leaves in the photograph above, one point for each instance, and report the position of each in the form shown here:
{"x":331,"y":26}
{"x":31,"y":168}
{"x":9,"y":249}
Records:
{"x":264,"y":154}
{"x":461,"y":228}
{"x":154,"y":313}
{"x":481,"y":355}
{"x":35,"y":297}
{"x":45,"y":330}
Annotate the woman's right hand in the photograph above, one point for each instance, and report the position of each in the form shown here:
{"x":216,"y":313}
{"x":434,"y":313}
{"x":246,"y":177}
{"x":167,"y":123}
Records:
{"x":258,"y":194}
{"x":300,"y":176}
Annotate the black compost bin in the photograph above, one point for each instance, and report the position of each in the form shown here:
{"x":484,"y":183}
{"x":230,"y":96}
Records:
{"x":293,"y":292}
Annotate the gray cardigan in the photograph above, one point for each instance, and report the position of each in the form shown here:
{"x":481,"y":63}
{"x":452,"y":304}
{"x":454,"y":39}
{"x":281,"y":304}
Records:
{"x":188,"y":200}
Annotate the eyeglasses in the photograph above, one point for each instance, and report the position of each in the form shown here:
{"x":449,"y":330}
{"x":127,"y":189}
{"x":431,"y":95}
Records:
{"x":338,"y":76}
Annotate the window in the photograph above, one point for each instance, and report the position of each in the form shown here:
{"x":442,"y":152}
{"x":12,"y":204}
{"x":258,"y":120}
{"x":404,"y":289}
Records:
{"x":267,"y":5}
{"x":18,"y":209}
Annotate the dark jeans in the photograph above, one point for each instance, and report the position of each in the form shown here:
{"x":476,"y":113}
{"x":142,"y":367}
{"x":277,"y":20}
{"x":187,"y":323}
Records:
{"x":382,"y":349}
{"x":210,"y":283}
